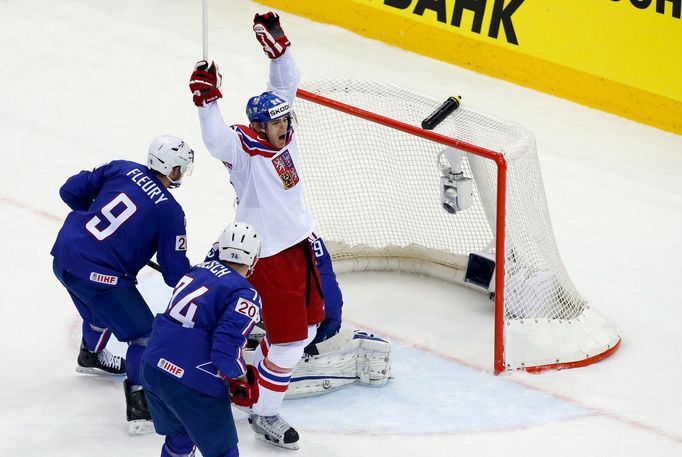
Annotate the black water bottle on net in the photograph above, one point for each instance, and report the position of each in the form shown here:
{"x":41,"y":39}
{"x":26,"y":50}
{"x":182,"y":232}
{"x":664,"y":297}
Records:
{"x":443,"y":111}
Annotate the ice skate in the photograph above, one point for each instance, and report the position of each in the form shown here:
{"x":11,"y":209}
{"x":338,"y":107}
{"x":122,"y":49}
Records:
{"x":137,"y":412}
{"x":274,"y":430}
{"x":102,"y":362}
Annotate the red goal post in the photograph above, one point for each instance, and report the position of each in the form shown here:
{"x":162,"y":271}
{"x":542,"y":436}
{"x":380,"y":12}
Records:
{"x":359,"y":140}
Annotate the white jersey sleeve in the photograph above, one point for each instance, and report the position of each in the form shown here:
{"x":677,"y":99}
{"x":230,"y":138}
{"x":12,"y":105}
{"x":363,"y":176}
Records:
{"x":220,"y":140}
{"x":265,"y":179}
{"x":284,"y":76}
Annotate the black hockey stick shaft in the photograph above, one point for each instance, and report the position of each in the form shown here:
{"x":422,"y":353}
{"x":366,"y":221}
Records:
{"x":154,"y":265}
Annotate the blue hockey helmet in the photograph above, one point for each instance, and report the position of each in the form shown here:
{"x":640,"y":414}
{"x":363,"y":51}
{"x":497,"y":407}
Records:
{"x":266,"y":107}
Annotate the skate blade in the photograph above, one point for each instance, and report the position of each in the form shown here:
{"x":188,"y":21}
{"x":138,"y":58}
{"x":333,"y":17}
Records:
{"x":140,"y":427}
{"x":265,"y":439}
{"x":96,"y":371}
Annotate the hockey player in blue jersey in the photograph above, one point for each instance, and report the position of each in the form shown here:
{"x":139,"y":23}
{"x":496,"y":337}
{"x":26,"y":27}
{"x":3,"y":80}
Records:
{"x":193,"y":364}
{"x":336,"y":357}
{"x":331,"y":325}
{"x":122,"y":214}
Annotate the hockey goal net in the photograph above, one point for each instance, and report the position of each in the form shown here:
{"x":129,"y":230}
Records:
{"x":373,"y":182}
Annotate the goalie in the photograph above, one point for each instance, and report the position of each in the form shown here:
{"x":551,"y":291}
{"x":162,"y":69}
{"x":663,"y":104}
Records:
{"x":336,"y":357}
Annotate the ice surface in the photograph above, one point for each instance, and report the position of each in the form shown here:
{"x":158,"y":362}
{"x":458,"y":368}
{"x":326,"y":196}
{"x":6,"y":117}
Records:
{"x":84,"y":82}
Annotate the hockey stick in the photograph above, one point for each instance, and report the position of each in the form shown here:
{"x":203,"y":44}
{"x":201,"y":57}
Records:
{"x":154,"y":265}
{"x":204,"y":25}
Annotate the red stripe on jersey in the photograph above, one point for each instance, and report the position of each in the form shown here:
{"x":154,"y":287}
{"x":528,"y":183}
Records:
{"x":252,"y":144}
{"x":247,"y":331}
{"x":242,"y":364}
{"x":255,"y":145}
{"x":102,"y":342}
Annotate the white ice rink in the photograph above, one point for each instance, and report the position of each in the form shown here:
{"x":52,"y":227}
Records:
{"x":85,"y":82}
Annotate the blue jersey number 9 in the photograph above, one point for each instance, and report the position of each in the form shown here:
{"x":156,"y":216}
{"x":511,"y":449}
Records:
{"x":115,"y":221}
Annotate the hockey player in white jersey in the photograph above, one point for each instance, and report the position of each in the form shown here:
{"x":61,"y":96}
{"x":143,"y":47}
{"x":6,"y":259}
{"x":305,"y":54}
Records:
{"x":262,"y":159}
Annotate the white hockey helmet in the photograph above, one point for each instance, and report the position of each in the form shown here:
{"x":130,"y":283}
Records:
{"x":239,"y":243}
{"x":167,"y":152}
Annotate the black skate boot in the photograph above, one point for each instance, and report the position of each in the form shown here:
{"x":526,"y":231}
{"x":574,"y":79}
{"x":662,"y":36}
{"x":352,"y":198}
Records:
{"x":102,"y":362}
{"x":137,"y":412}
{"x":274,"y":430}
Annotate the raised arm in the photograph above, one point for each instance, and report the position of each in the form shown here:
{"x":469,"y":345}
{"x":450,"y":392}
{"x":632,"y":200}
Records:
{"x":284,"y":75}
{"x":219,"y":138}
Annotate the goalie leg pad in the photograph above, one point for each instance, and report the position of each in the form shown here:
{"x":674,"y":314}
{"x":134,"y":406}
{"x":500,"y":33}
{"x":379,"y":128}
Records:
{"x":349,"y":357}
{"x":374,"y":359}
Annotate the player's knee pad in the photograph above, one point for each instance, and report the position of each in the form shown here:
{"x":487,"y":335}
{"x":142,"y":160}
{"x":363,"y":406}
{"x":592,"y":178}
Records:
{"x":349,"y":357}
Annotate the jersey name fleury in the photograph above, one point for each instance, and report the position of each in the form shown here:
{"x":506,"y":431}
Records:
{"x":147,"y":185}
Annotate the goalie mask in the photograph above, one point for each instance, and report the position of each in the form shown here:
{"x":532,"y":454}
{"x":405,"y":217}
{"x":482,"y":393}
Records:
{"x":267,"y":107}
{"x":239,"y":243}
{"x":167,"y":152}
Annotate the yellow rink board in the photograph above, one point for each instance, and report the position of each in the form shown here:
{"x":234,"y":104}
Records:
{"x":620,"y":56}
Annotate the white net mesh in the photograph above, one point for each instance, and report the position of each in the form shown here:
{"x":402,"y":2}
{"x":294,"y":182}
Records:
{"x":376,"y":194}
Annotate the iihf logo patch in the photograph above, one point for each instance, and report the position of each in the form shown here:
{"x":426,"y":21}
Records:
{"x":171,"y":368}
{"x":104,"y":279}
{"x":286,"y":170}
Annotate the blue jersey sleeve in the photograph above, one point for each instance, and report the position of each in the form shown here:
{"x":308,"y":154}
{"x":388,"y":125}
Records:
{"x":229,"y":337}
{"x":80,"y":190}
{"x":171,"y":251}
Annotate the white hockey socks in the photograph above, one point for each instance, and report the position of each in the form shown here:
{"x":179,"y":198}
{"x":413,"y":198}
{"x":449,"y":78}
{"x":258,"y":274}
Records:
{"x":275,"y":372}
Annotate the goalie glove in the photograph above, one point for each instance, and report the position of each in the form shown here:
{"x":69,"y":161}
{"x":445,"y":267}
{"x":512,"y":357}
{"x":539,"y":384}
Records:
{"x":205,"y":83}
{"x":270,"y":35}
{"x":244,"y":390}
